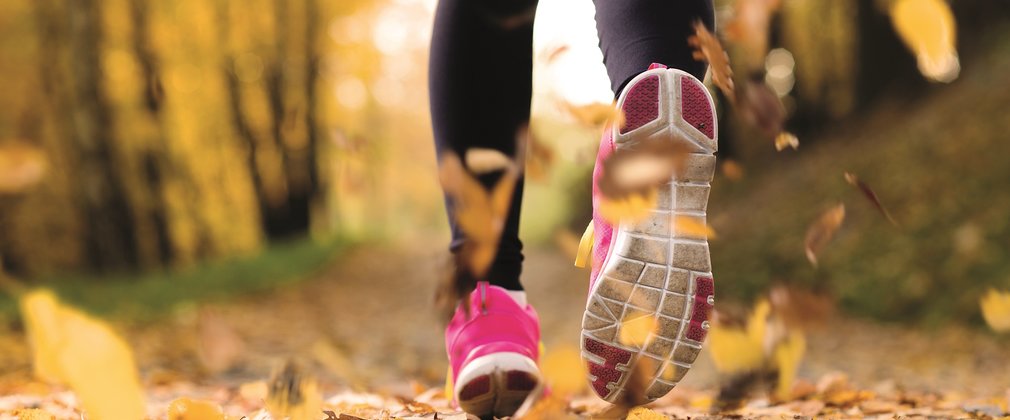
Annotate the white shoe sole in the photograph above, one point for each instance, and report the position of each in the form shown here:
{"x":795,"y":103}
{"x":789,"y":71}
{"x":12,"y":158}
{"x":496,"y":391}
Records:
{"x":496,"y":384}
{"x":652,"y":268}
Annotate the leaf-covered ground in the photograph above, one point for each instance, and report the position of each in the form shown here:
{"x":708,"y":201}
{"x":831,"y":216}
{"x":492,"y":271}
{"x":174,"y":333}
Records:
{"x":368,"y":332}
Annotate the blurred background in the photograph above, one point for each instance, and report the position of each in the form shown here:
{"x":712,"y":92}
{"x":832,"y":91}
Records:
{"x":263,"y":169}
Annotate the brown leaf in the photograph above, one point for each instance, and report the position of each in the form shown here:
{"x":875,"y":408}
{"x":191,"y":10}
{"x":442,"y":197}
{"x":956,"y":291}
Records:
{"x":822,"y":230}
{"x":556,"y":52}
{"x":539,"y":159}
{"x":801,"y":308}
{"x":21,"y":166}
{"x":595,"y":115}
{"x":707,"y":48}
{"x":732,"y":170}
{"x":870,"y":195}
{"x":642,"y":169}
{"x":749,"y":27}
{"x":760,"y":107}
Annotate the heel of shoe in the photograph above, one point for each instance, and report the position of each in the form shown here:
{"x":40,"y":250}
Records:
{"x":496,"y":384}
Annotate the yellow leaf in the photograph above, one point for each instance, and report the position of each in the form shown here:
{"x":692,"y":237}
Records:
{"x":928,"y":28}
{"x":86,"y":354}
{"x":632,"y":208}
{"x":635,"y":332}
{"x":787,"y":356}
{"x":786,"y":139}
{"x":187,"y":409}
{"x":34,"y":414}
{"x":996,"y":309}
{"x":563,"y":369}
{"x":736,"y":350}
{"x":642,"y":413}
{"x":294,"y":395}
{"x":585,"y":249}
{"x":694,"y":227}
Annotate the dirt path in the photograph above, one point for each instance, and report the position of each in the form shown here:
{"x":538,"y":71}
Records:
{"x":367,"y":324}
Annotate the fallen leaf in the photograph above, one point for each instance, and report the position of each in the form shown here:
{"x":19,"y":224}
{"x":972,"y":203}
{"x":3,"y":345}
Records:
{"x":72,"y":348}
{"x":707,"y":48}
{"x":34,"y":414}
{"x":188,"y":409}
{"x":870,"y":195}
{"x":219,"y":348}
{"x":293,"y":394}
{"x":996,"y":310}
{"x":822,"y":230}
{"x":928,"y":29}
{"x":642,"y":413}
{"x":786,"y":139}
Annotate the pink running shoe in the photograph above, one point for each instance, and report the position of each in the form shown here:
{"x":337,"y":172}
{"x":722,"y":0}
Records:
{"x":648,"y":268}
{"x":493,"y":353}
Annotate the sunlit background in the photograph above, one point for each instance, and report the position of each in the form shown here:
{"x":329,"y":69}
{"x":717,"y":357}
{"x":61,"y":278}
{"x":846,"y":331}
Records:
{"x":231,"y":184}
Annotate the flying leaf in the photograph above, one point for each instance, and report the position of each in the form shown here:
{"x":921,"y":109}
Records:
{"x":996,"y":310}
{"x":708,"y":49}
{"x":692,"y":227}
{"x":595,"y":115}
{"x":749,"y":27}
{"x":564,"y":371}
{"x":738,"y":349}
{"x":558,"y":51}
{"x":188,"y":409}
{"x":822,"y":230}
{"x":786,"y":139}
{"x":482,"y":161}
{"x":639,"y":170}
{"x":870,"y":195}
{"x":632,"y":208}
{"x":538,"y":157}
{"x":293,"y":394}
{"x":801,"y":308}
{"x":480,"y":214}
{"x":72,"y":348}
{"x":928,"y":29}
{"x":636,"y":331}
{"x":21,"y":166}
{"x":732,"y":170}
{"x":787,"y":356}
{"x":760,"y":107}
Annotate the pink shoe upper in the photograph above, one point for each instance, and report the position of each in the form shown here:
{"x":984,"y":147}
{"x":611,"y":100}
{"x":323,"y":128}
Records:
{"x":497,"y":323}
{"x":603,"y":231}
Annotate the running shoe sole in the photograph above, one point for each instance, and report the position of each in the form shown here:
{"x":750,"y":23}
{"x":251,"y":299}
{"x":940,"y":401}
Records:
{"x":496,"y":384}
{"x":652,"y":269}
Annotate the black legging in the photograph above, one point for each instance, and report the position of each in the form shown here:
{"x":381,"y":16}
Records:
{"x":480,"y":78}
